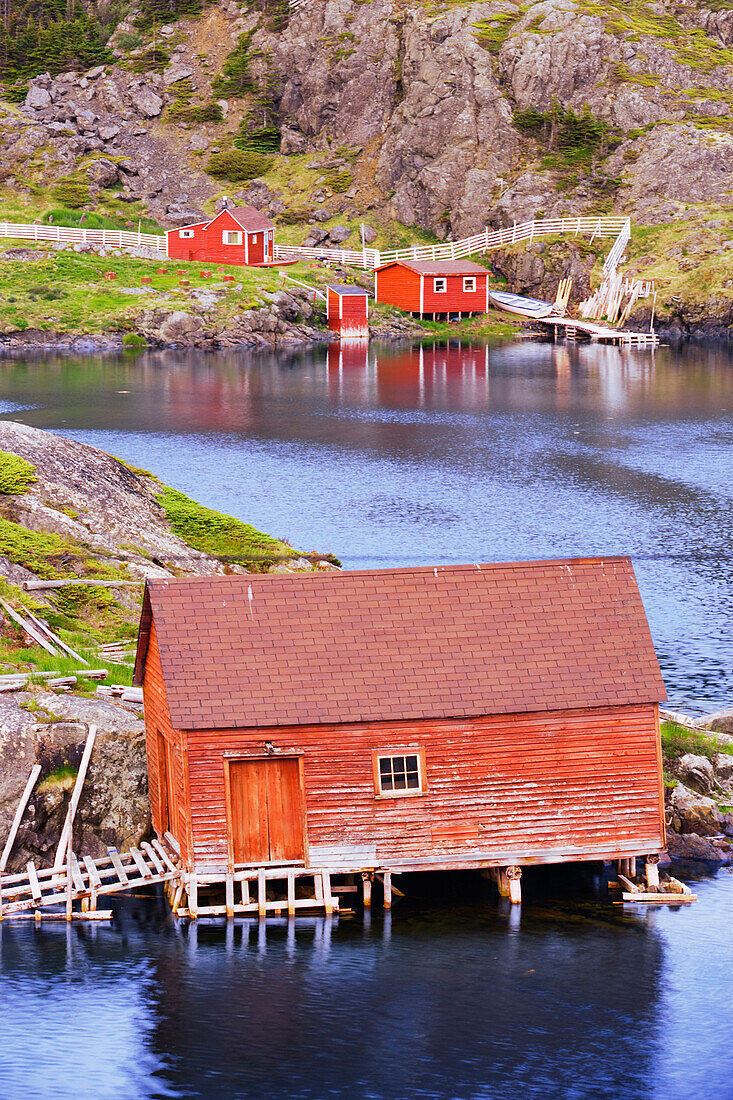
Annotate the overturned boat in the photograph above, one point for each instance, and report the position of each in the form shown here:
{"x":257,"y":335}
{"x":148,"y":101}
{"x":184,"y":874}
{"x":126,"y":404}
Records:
{"x":517,"y":304}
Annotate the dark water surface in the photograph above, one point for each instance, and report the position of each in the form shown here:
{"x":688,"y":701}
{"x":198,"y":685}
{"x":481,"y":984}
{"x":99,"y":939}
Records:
{"x":565,"y":999}
{"x":405,"y":457}
{"x":402,"y":457}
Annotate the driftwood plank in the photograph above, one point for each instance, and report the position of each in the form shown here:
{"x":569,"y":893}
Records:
{"x":30,"y":630}
{"x":152,"y":856}
{"x":164,"y":855}
{"x":74,"y":802}
{"x":33,"y":880}
{"x":27,"y":791}
{"x":117,"y":864}
{"x":76,"y":875}
{"x":94,"y":879}
{"x":140,"y":863}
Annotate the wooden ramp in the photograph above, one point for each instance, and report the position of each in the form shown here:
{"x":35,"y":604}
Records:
{"x":572,"y":328}
{"x":85,"y":881}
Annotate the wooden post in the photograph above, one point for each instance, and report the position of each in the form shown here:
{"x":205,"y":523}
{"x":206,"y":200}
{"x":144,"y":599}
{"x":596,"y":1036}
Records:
{"x":230,"y":895}
{"x":514,"y":876}
{"x":327,"y":896}
{"x":387,"y":889}
{"x":69,"y":899}
{"x":366,"y":885}
{"x":245,"y":892}
{"x":193,"y":896}
{"x":75,"y":796}
{"x":291,"y":893}
{"x":18,"y":817}
{"x":652,"y":872}
{"x":261,"y":892}
{"x":502,"y":882}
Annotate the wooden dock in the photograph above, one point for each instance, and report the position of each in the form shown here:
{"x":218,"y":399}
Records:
{"x":83,"y":882}
{"x":573,"y":328}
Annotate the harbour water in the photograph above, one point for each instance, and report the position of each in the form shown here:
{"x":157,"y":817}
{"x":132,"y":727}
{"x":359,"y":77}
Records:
{"x":401,"y":456}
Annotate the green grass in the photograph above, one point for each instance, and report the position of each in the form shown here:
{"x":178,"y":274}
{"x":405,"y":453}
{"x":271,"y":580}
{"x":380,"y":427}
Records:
{"x":222,"y":536}
{"x":677,"y":740}
{"x":492,"y":32}
{"x":16,"y":474}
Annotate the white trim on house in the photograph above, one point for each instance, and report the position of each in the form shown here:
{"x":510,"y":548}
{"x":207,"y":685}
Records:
{"x":422,"y":293}
{"x":440,"y":289}
{"x":227,"y":234}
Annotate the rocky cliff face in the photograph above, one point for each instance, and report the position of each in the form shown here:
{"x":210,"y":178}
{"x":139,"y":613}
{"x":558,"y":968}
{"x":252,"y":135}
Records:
{"x":440,"y":119}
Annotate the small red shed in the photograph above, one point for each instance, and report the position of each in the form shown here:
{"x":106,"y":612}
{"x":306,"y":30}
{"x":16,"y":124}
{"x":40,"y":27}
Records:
{"x":396,"y":720}
{"x":438,"y":288}
{"x":347,"y":310}
{"x":237,"y":235}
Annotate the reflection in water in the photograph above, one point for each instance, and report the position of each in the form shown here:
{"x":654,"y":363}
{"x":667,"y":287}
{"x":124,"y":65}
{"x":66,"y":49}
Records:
{"x":563,"y":999}
{"x":421,"y":455}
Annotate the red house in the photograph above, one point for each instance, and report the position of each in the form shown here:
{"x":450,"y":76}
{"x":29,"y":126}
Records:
{"x":387,"y":721}
{"x":237,"y":235}
{"x":347,"y":311}
{"x":433,"y":289}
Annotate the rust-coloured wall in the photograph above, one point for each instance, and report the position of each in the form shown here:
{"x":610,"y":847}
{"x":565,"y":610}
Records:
{"x":398,"y":286}
{"x":518,"y":788}
{"x":350,"y":317}
{"x":456,"y":299}
{"x":157,"y":720}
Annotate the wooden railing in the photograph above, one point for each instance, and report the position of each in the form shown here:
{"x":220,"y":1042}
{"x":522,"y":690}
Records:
{"x":66,"y":234}
{"x":480,"y":242}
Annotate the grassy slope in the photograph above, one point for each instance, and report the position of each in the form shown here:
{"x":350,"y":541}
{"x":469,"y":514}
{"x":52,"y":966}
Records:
{"x":83,"y":616}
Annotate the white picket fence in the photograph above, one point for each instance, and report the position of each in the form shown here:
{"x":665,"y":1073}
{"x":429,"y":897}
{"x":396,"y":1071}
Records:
{"x":66,"y":234}
{"x":365,"y":257}
{"x":470,"y":246}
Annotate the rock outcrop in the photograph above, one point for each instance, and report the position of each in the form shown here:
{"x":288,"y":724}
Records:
{"x":51,"y":730}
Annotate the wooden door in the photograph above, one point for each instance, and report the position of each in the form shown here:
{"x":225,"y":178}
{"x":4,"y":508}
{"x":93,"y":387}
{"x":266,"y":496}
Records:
{"x":167,"y":773}
{"x":266,"y":813}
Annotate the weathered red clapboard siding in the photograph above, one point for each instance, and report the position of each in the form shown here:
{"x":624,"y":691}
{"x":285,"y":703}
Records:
{"x":531,"y":787}
{"x":455,"y":299}
{"x":157,"y":721}
{"x":348,"y":313}
{"x":398,"y":286}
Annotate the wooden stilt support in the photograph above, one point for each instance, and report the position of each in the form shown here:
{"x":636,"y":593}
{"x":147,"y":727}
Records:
{"x":502,"y":882}
{"x":652,"y":872}
{"x":69,"y":884}
{"x":387,"y":889}
{"x":327,"y":895}
{"x":261,"y":892}
{"x":366,"y":886}
{"x":245,"y":892}
{"x":291,"y":893}
{"x":230,"y":895}
{"x":193,"y":896}
{"x":514,"y":878}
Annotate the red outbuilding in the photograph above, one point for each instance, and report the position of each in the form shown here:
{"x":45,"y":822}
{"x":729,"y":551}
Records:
{"x":347,"y":310}
{"x":388,"y":721}
{"x":438,"y":288}
{"x":237,"y":235}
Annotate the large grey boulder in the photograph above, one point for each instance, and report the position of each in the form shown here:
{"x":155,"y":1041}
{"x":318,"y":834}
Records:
{"x":696,"y":772}
{"x":723,"y":765}
{"x":103,"y":172}
{"x":695,"y":813}
{"x":721,"y":721}
{"x":145,"y":101}
{"x":38,"y":98}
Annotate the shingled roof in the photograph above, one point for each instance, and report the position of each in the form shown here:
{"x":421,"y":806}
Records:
{"x":388,"y":644}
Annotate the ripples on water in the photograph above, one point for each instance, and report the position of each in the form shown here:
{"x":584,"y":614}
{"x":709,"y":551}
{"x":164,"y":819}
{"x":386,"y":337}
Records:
{"x":397,"y":457}
{"x":464,"y":1002}
{"x":408,"y":456}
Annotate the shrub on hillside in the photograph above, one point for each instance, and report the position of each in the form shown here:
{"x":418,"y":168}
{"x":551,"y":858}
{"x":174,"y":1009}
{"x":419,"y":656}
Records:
{"x":238,"y":164}
{"x":71,"y":193}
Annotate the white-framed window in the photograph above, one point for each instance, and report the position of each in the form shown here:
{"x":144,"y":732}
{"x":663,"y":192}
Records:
{"x":440,"y":286}
{"x":231,"y":236}
{"x":254,"y":239}
{"x":186,"y":233}
{"x":398,"y":772}
{"x":469,"y":284}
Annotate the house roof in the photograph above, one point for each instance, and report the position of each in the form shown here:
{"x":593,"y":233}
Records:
{"x":373,"y":645}
{"x":250,"y":219}
{"x":344,"y":288}
{"x":439,"y":267}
